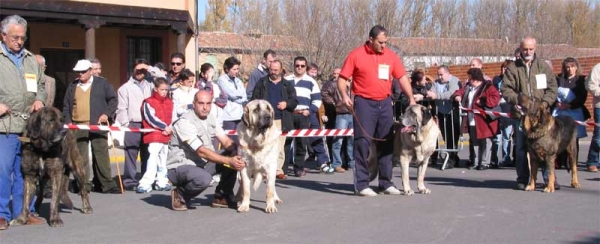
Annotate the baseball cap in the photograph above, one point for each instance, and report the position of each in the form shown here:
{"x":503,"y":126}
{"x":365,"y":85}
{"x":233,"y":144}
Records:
{"x":83,"y":65}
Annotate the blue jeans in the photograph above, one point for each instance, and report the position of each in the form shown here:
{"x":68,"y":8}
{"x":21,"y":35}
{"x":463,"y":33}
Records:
{"x":503,"y":138}
{"x":595,"y":145}
{"x":343,"y":121}
{"x":11,"y":179}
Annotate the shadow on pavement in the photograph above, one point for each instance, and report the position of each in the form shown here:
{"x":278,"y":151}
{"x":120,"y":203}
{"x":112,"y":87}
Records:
{"x":161,"y":200}
{"x":494,"y":184}
{"x":328,"y":187}
{"x":590,"y":239}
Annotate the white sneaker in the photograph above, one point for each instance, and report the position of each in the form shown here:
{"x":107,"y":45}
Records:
{"x":392,"y":190}
{"x":216,"y":178}
{"x":367,"y":192}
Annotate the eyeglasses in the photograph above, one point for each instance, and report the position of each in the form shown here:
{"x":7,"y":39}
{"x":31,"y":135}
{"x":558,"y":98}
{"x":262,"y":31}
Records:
{"x":17,"y":38}
{"x":300,"y":66}
{"x":176,"y":64}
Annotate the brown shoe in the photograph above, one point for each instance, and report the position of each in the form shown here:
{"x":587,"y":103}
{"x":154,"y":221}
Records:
{"x":35,"y":220}
{"x":340,"y":170}
{"x":592,"y":168}
{"x":3,"y":224}
{"x":221,"y":202}
{"x":177,"y":203}
{"x":281,"y":176}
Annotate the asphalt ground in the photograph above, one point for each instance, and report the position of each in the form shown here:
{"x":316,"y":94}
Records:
{"x":465,"y":206}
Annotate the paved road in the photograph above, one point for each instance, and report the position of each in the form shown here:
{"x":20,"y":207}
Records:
{"x":464,"y":207}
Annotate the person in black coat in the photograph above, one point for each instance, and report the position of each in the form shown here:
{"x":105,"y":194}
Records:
{"x":281,"y":94}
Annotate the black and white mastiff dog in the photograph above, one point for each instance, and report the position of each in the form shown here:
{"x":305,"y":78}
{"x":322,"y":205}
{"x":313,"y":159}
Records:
{"x":57,"y":148}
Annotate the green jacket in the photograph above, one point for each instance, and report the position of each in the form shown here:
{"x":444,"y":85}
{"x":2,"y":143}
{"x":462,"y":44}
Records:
{"x":13,"y":90}
{"x":517,"y":80}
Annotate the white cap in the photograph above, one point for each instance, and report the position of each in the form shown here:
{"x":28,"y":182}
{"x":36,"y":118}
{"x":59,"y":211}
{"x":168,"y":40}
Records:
{"x":83,"y":65}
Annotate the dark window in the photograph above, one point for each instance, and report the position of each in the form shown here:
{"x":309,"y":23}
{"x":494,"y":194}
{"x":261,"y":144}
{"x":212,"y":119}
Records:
{"x":149,"y":48}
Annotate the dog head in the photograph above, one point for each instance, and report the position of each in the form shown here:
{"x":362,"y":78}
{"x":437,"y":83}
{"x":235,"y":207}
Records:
{"x":535,"y":113}
{"x":415,"y":117}
{"x":45,"y":128}
{"x":258,"y":115}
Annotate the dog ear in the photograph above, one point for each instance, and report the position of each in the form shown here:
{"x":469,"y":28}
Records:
{"x":523,"y":100}
{"x":33,"y":123}
{"x":426,"y":114}
{"x":272,"y":115}
{"x":246,"y":116}
{"x":60,"y":135}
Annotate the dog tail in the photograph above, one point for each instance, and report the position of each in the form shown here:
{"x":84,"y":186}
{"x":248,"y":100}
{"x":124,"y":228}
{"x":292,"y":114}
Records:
{"x":256,"y":181}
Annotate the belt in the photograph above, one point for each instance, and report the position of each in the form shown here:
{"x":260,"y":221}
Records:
{"x":300,"y":111}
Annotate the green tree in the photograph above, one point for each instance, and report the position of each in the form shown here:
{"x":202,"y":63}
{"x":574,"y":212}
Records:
{"x":217,"y":16}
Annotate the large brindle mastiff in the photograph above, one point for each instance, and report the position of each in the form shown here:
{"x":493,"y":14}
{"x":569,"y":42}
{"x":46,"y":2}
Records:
{"x":547,"y":137}
{"x":57,"y":149}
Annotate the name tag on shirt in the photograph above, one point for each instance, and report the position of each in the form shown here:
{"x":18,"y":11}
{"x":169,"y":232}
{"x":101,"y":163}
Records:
{"x":31,"y":82}
{"x":384,"y":72}
{"x":540,"y":81}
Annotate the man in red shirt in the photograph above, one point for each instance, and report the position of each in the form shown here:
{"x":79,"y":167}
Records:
{"x":373,"y":67}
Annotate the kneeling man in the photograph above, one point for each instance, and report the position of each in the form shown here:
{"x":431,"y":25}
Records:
{"x":192,"y":155}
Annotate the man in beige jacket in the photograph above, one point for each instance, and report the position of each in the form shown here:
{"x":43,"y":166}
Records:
{"x":593,"y":85}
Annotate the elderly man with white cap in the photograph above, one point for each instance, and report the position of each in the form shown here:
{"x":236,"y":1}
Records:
{"x":91,"y":100}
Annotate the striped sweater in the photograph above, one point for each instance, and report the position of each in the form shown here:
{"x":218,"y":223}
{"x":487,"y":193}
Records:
{"x":308,"y":93}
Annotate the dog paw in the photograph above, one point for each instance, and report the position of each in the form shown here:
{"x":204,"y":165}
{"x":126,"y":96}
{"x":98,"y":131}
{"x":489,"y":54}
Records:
{"x":17,"y":222}
{"x":530,"y":188}
{"x":243,"y":208}
{"x":270,"y":208}
{"x":87,"y":210}
{"x":409,"y":192}
{"x":575,"y":185}
{"x":424,"y":191}
{"x":548,"y":190}
{"x":56,"y":223}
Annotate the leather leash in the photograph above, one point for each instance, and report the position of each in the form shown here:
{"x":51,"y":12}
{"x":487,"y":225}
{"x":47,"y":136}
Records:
{"x":365,"y":134}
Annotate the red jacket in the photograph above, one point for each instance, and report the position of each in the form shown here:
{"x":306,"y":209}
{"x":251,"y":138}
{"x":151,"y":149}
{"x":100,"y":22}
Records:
{"x":157,"y":113}
{"x":485,"y":98}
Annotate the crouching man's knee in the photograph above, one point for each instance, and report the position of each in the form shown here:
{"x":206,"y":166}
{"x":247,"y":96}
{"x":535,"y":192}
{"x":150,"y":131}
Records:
{"x":201,"y":180}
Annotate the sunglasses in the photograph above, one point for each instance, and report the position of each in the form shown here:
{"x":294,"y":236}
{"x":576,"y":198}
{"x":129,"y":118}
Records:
{"x":176,"y":64}
{"x":140,"y":71}
{"x":300,"y":66}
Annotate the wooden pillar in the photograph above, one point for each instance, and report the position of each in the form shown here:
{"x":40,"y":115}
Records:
{"x":90,"y":26}
{"x":90,"y":43}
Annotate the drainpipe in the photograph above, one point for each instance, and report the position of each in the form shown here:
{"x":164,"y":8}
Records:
{"x":196,"y":38}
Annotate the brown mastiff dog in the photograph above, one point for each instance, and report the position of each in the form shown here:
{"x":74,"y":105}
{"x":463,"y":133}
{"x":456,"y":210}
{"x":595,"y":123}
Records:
{"x":57,"y":148}
{"x":547,"y":137}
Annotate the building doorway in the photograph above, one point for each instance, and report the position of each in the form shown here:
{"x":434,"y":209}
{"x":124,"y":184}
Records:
{"x":60,"y":63}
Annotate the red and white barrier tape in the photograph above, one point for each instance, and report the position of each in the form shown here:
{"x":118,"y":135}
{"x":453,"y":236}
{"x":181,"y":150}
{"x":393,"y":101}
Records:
{"x":487,"y":112}
{"x":292,"y":133}
{"x":105,"y":128}
{"x":507,"y":115}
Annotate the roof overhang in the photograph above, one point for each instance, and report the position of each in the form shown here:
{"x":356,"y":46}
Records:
{"x":93,"y":15}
